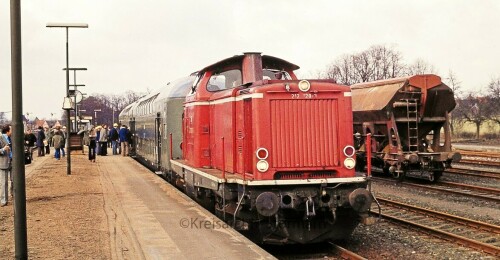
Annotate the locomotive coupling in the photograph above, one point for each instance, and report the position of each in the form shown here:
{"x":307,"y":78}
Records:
{"x":360,"y":200}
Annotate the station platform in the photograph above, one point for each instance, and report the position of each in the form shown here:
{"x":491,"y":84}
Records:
{"x":116,"y":209}
{"x":166,"y":224}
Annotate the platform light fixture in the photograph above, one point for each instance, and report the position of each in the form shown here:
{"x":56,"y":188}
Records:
{"x":68,"y":119}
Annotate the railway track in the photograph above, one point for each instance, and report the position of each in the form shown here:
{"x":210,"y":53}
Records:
{"x":470,"y":233}
{"x":485,"y":193}
{"x":345,"y":253}
{"x":479,"y":154}
{"x":486,"y":163}
{"x":327,"y":250}
{"x":474,"y":172}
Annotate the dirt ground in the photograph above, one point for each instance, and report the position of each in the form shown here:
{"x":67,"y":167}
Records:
{"x":66,"y":215}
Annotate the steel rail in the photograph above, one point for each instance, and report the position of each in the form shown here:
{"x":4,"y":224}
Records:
{"x":492,"y":197}
{"x":444,"y":216}
{"x":345,"y":253}
{"x":479,"y":154}
{"x":474,"y":173}
{"x":480,"y":162}
{"x":471,"y":173}
{"x":471,"y":243}
{"x":471,"y":187}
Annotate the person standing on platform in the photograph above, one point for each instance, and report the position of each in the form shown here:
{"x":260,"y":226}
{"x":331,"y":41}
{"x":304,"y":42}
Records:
{"x":30,"y":141}
{"x":57,"y":140}
{"x":64,"y":135}
{"x":40,"y":142}
{"x":48,"y":137}
{"x":123,"y":134}
{"x":115,"y":138}
{"x":103,"y":140}
{"x":97,"y":136}
{"x":5,"y":164}
{"x":92,"y":144}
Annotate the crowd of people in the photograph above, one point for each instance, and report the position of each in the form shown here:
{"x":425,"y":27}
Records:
{"x":45,"y":138}
{"x":97,"y":139}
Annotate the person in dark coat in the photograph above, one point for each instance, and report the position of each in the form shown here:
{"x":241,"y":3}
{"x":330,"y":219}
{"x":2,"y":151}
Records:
{"x":30,"y":141}
{"x":92,"y":144}
{"x":115,"y":138}
{"x":124,"y":139}
{"x":57,"y":140}
{"x":39,"y":142}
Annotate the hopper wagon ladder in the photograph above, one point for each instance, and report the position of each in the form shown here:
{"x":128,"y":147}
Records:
{"x":412,"y":120}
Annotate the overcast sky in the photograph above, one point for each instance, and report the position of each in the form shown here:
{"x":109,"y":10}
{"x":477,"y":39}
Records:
{"x":140,"y":45}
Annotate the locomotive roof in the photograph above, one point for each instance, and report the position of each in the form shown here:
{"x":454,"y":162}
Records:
{"x":267,"y":62}
{"x":376,"y":95}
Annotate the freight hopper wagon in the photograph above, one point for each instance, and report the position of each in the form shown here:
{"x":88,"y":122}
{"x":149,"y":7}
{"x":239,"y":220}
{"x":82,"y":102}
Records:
{"x":409,"y":120}
{"x":268,"y":153}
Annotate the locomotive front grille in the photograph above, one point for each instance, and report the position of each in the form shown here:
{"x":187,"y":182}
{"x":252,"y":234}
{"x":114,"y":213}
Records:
{"x":304,"y":133}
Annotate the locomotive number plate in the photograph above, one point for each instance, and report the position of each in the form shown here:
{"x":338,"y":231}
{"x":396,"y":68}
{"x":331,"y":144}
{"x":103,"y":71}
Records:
{"x":304,"y":95}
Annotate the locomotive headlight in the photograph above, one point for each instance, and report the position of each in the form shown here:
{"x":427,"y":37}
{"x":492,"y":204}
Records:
{"x":262,"y":153}
{"x":349,"y":163}
{"x":349,"y":151}
{"x":304,"y":85}
{"x":262,"y":166}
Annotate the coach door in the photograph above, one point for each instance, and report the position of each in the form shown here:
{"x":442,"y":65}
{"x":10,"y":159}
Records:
{"x":158,"y":140}
{"x":133,"y":140}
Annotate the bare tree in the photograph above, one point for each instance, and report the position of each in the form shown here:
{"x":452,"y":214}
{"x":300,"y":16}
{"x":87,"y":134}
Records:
{"x":473,"y":109}
{"x":420,"y":67}
{"x":494,"y":101}
{"x":376,"y":63}
{"x":387,"y":62}
{"x":131,"y":96}
{"x":456,"y":86}
{"x":3,"y":118}
{"x":109,"y":105}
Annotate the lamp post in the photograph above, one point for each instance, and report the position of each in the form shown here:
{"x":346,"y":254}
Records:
{"x":95,"y":115}
{"x":75,"y":91}
{"x":68,"y":125}
{"x":18,"y":172}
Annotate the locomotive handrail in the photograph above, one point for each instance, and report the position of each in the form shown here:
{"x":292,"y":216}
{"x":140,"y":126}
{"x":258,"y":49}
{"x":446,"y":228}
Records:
{"x":223,"y":161}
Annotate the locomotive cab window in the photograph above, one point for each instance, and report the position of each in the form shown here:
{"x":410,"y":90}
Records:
{"x":224,"y":80}
{"x":273,"y":74}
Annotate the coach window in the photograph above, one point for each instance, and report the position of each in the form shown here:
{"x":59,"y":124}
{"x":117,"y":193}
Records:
{"x":224,"y":80}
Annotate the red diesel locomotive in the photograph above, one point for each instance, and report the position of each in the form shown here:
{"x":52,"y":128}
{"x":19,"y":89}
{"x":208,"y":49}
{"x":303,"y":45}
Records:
{"x":270,"y":154}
